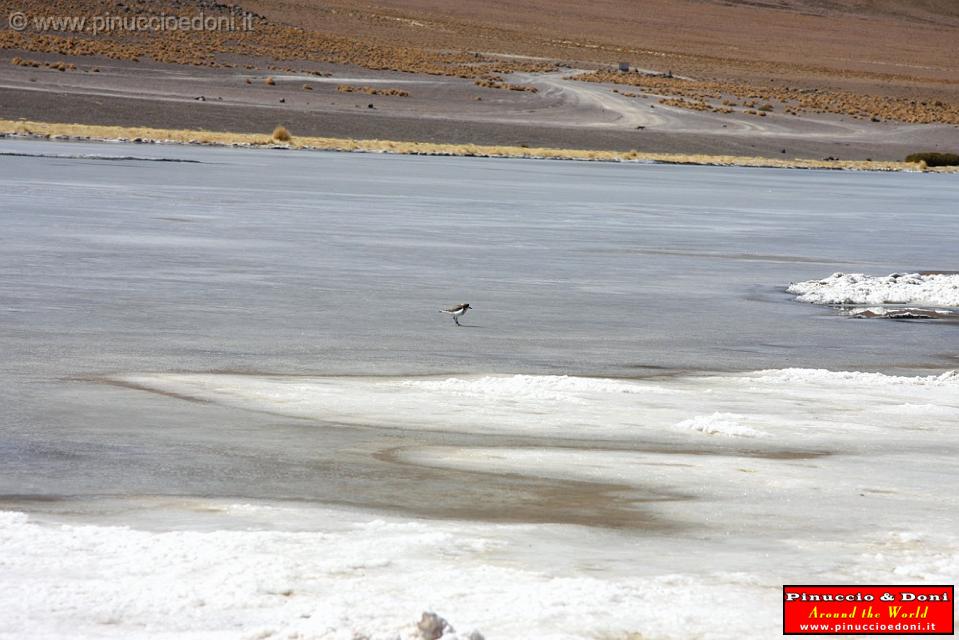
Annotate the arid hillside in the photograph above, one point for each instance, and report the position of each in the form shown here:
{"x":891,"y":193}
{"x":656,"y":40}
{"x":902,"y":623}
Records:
{"x":850,"y":79}
{"x":844,"y":38}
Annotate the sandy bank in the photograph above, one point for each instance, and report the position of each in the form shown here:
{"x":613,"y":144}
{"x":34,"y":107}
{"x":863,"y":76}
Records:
{"x":181,"y":136}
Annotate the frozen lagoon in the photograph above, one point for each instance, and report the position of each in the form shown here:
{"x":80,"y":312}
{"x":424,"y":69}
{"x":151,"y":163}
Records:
{"x":239,"y":358}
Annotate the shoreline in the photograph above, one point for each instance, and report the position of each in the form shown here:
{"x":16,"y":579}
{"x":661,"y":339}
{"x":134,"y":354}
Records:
{"x":151,"y":135}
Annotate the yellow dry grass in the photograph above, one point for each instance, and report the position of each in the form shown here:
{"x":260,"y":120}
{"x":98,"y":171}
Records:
{"x":183,"y":136}
{"x":373,"y":91}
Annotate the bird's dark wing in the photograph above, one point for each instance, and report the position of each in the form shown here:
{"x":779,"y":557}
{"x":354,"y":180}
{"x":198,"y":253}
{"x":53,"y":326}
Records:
{"x":458,"y":307}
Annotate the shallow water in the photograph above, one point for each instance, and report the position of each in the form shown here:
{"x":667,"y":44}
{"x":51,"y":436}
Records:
{"x":315,"y":262}
{"x":240,"y":357}
{"x":318,"y":263}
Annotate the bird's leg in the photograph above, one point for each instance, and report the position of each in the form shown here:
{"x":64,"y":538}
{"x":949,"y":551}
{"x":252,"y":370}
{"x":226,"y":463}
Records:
{"x":457,"y":321}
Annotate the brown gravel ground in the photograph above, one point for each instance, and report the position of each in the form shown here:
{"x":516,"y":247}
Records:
{"x":839,"y":76}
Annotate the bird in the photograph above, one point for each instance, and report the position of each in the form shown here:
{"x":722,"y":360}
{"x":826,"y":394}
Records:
{"x":457,"y":311}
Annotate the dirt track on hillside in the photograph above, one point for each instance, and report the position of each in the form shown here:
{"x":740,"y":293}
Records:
{"x":565,"y":113}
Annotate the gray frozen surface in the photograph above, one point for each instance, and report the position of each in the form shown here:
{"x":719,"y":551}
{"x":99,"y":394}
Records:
{"x":316,"y":263}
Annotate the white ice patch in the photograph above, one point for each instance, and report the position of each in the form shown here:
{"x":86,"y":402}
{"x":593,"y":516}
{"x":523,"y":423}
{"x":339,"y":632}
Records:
{"x":485,"y":404}
{"x":919,"y":410}
{"x":722,"y":424}
{"x":795,"y":407}
{"x":523,"y":387}
{"x":938,"y":290}
{"x":373,"y":581}
{"x":875,"y":381}
{"x":812,"y":500}
{"x":897,"y":313}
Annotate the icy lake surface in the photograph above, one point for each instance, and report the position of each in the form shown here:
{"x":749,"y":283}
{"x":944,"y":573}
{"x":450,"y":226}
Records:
{"x":231,"y":409}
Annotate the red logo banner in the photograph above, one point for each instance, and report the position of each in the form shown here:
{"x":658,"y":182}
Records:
{"x":868,"y":609}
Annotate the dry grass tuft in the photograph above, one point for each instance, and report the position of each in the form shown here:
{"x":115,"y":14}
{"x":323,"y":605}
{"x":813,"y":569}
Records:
{"x":348,"y":88}
{"x":934,"y":158}
{"x":495,"y":82}
{"x":57,"y":66}
{"x":682,"y":103}
{"x":280,"y":134}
